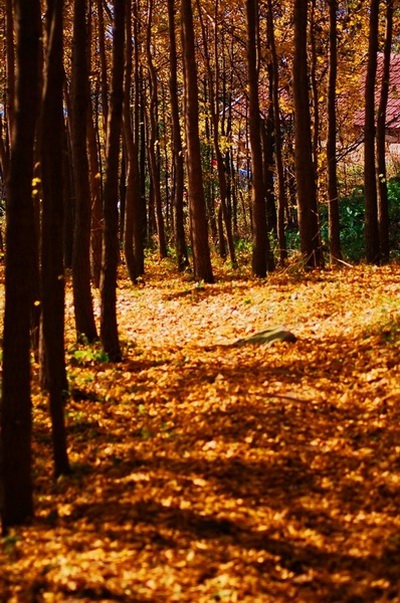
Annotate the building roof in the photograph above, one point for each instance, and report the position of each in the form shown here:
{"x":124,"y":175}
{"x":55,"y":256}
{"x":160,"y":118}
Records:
{"x":393,"y":106}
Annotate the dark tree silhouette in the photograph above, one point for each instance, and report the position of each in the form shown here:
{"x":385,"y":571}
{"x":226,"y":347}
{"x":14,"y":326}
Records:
{"x":16,"y":419}
{"x":52,"y":267}
{"x":197,"y":207}
{"x":108,"y":284}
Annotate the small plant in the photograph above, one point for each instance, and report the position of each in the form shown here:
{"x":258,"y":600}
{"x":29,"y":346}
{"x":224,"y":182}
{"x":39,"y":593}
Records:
{"x":88,"y":354}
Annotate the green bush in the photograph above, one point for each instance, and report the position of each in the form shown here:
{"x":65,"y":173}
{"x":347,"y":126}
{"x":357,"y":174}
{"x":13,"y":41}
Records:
{"x":352,"y":217}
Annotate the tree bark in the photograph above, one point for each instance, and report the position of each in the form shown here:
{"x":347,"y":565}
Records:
{"x":16,"y":419}
{"x":383,"y":203}
{"x":333,"y":198}
{"x":198,"y":221}
{"x":177,"y":150}
{"x":152,"y":128}
{"x":108,"y":285}
{"x":370,"y":186}
{"x":52,"y":267}
{"x":10,"y":60}
{"x":132,"y":201}
{"x":83,"y":303}
{"x":278,"y":138}
{"x":214,"y":114}
{"x":259,"y":220}
{"x":305,"y":168}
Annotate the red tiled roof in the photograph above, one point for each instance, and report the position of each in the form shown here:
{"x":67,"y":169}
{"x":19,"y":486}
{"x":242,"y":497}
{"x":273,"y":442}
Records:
{"x":393,"y":107}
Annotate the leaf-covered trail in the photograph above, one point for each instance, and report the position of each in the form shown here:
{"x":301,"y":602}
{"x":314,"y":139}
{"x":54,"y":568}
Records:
{"x":206,"y":472}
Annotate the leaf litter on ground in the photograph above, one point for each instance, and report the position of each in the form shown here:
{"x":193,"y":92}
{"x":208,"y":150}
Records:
{"x":208,"y":472}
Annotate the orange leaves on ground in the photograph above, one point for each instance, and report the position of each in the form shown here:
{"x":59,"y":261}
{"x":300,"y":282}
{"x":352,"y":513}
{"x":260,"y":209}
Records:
{"x":209,"y":472}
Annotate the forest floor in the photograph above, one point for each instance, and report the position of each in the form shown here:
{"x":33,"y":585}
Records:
{"x":206,"y":472}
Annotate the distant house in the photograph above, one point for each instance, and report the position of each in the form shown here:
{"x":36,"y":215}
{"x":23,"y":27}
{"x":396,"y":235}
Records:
{"x":393,"y":107}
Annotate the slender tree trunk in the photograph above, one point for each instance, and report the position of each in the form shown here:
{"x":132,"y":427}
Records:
{"x":154,"y":166}
{"x":96,"y":210}
{"x":278,"y":138}
{"x":267,"y":145}
{"x":132,"y":201}
{"x":16,"y":419}
{"x":139,"y":226}
{"x":383,"y":203}
{"x":95,"y":181}
{"x":69,"y":199}
{"x":259,"y":221}
{"x":333,"y":199}
{"x":84,"y":317}
{"x":52,"y":268}
{"x":177,"y":151}
{"x":213,"y":104}
{"x":197,"y":206}
{"x":108,"y":285}
{"x":10,"y":60}
{"x":103,"y":66}
{"x":314,"y":93}
{"x":305,"y":167}
{"x":133,"y":239}
{"x":370,"y":186}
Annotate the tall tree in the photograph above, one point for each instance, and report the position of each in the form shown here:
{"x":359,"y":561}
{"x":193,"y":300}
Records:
{"x":370,"y":186}
{"x":52,"y":268}
{"x":213,"y":90}
{"x":383,"y":204}
{"x":277,"y":136}
{"x":108,"y":284}
{"x":259,"y":220}
{"x":153,"y":134}
{"x":16,"y":419}
{"x":10,"y":60}
{"x":177,"y":150}
{"x":333,"y":198}
{"x":95,"y":176}
{"x":131,"y":234}
{"x":305,"y":167}
{"x":197,"y":207}
{"x":83,"y":303}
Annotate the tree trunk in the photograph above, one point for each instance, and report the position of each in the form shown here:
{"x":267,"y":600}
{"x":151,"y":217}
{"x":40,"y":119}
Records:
{"x":177,"y":151}
{"x":370,"y":187}
{"x":152,"y":128}
{"x":132,"y":201}
{"x":333,"y":199}
{"x":16,"y":419}
{"x":278,"y":138}
{"x":214,"y":114}
{"x":103,"y":67}
{"x":52,"y":268}
{"x":197,"y":207}
{"x":69,"y":199}
{"x":383,"y":203}
{"x":259,"y":220}
{"x":10,"y":60}
{"x":267,"y":146}
{"x":84,"y":317}
{"x":305,"y":168}
{"x":96,"y":196}
{"x":108,"y":285}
